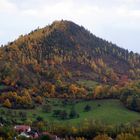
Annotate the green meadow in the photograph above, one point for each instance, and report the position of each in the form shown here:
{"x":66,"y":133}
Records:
{"x":108,"y":111}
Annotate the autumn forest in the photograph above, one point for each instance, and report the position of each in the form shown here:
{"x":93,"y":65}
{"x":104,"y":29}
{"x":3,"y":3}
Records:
{"x":62,"y":74}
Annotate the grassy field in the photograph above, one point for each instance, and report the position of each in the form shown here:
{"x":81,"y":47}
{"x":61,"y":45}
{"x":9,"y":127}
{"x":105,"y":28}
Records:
{"x":107,"y":111}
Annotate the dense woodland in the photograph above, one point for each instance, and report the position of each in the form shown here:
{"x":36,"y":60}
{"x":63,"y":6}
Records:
{"x":47,"y":63}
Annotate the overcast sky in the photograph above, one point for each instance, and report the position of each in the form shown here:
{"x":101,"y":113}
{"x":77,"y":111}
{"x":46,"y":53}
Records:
{"x":117,"y":21}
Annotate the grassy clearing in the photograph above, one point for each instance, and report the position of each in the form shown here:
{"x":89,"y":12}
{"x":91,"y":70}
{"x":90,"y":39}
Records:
{"x":88,"y":83}
{"x":107,"y":111}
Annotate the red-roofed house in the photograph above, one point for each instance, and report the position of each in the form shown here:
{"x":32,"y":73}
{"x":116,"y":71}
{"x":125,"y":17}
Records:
{"x":22,"y":128}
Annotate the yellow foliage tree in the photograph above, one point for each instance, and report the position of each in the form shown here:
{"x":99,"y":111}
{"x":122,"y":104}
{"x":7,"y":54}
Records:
{"x":39,"y":99}
{"x":7,"y":103}
{"x":73,"y":89}
{"x":98,"y":90}
{"x":102,"y":137}
{"x":126,"y":136}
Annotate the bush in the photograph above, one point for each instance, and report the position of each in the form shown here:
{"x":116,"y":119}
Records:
{"x":87,"y":108}
{"x":63,"y":115}
{"x":47,"y":108}
{"x":73,"y":113}
{"x":56,"y":113}
{"x":39,"y":119}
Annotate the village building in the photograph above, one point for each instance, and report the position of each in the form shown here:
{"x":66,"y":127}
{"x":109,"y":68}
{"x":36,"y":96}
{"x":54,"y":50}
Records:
{"x":22,"y":128}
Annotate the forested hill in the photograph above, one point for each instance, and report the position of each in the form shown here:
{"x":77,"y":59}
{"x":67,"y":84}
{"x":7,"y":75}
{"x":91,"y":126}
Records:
{"x":64,"y":52}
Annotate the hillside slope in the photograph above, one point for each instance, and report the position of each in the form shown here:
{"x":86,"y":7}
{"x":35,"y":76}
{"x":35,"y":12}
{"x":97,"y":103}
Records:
{"x":65,"y":46}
